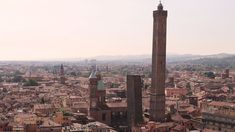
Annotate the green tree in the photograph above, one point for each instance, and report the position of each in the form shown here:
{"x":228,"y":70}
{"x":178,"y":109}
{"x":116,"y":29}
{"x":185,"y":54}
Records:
{"x":209,"y":74}
{"x":73,"y":74}
{"x":31,"y":82}
{"x":17,"y":78}
{"x":17,"y":73}
{"x":65,"y":113}
{"x":1,"y":80}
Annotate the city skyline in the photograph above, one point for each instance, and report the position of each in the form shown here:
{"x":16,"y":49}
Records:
{"x":33,"y":30}
{"x":71,"y":66}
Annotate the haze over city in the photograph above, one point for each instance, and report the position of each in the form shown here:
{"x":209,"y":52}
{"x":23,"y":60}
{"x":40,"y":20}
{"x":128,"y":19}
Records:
{"x":33,"y":30}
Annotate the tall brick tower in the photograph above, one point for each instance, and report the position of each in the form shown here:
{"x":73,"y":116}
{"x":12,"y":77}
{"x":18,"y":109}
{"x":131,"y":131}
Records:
{"x":97,"y":90}
{"x":134,"y":100}
{"x":157,"y":96}
{"x":62,"y":77}
{"x":98,"y":108}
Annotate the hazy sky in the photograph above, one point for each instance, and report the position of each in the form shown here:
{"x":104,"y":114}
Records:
{"x":44,"y":29}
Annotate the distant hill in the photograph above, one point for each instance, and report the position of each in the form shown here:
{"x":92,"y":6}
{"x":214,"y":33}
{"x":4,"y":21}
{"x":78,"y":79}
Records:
{"x":192,"y":58}
{"x":122,"y":57}
{"x":216,"y":59}
{"x":222,"y":60}
{"x":171,"y":58}
{"x":227,"y":61}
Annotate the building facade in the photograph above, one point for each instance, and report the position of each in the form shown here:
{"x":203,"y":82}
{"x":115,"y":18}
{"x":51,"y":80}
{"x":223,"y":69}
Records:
{"x":112,"y":114}
{"x":219,"y":116}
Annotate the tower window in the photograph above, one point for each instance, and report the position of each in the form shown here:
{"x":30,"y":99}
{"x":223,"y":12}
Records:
{"x":103,"y":117}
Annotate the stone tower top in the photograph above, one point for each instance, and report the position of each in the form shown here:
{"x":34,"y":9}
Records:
{"x":160,"y":6}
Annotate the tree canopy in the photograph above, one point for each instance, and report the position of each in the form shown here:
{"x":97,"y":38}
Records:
{"x":31,"y":82}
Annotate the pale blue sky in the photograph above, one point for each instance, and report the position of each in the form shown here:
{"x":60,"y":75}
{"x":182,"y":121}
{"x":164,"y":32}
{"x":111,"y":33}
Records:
{"x":45,"y":29}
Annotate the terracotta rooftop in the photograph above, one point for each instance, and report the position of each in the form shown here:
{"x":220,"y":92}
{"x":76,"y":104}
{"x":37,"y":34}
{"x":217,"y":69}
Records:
{"x":221,"y":104}
{"x":208,"y":130}
{"x":49,"y":123}
{"x":42,"y":106}
{"x":117,"y":104}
